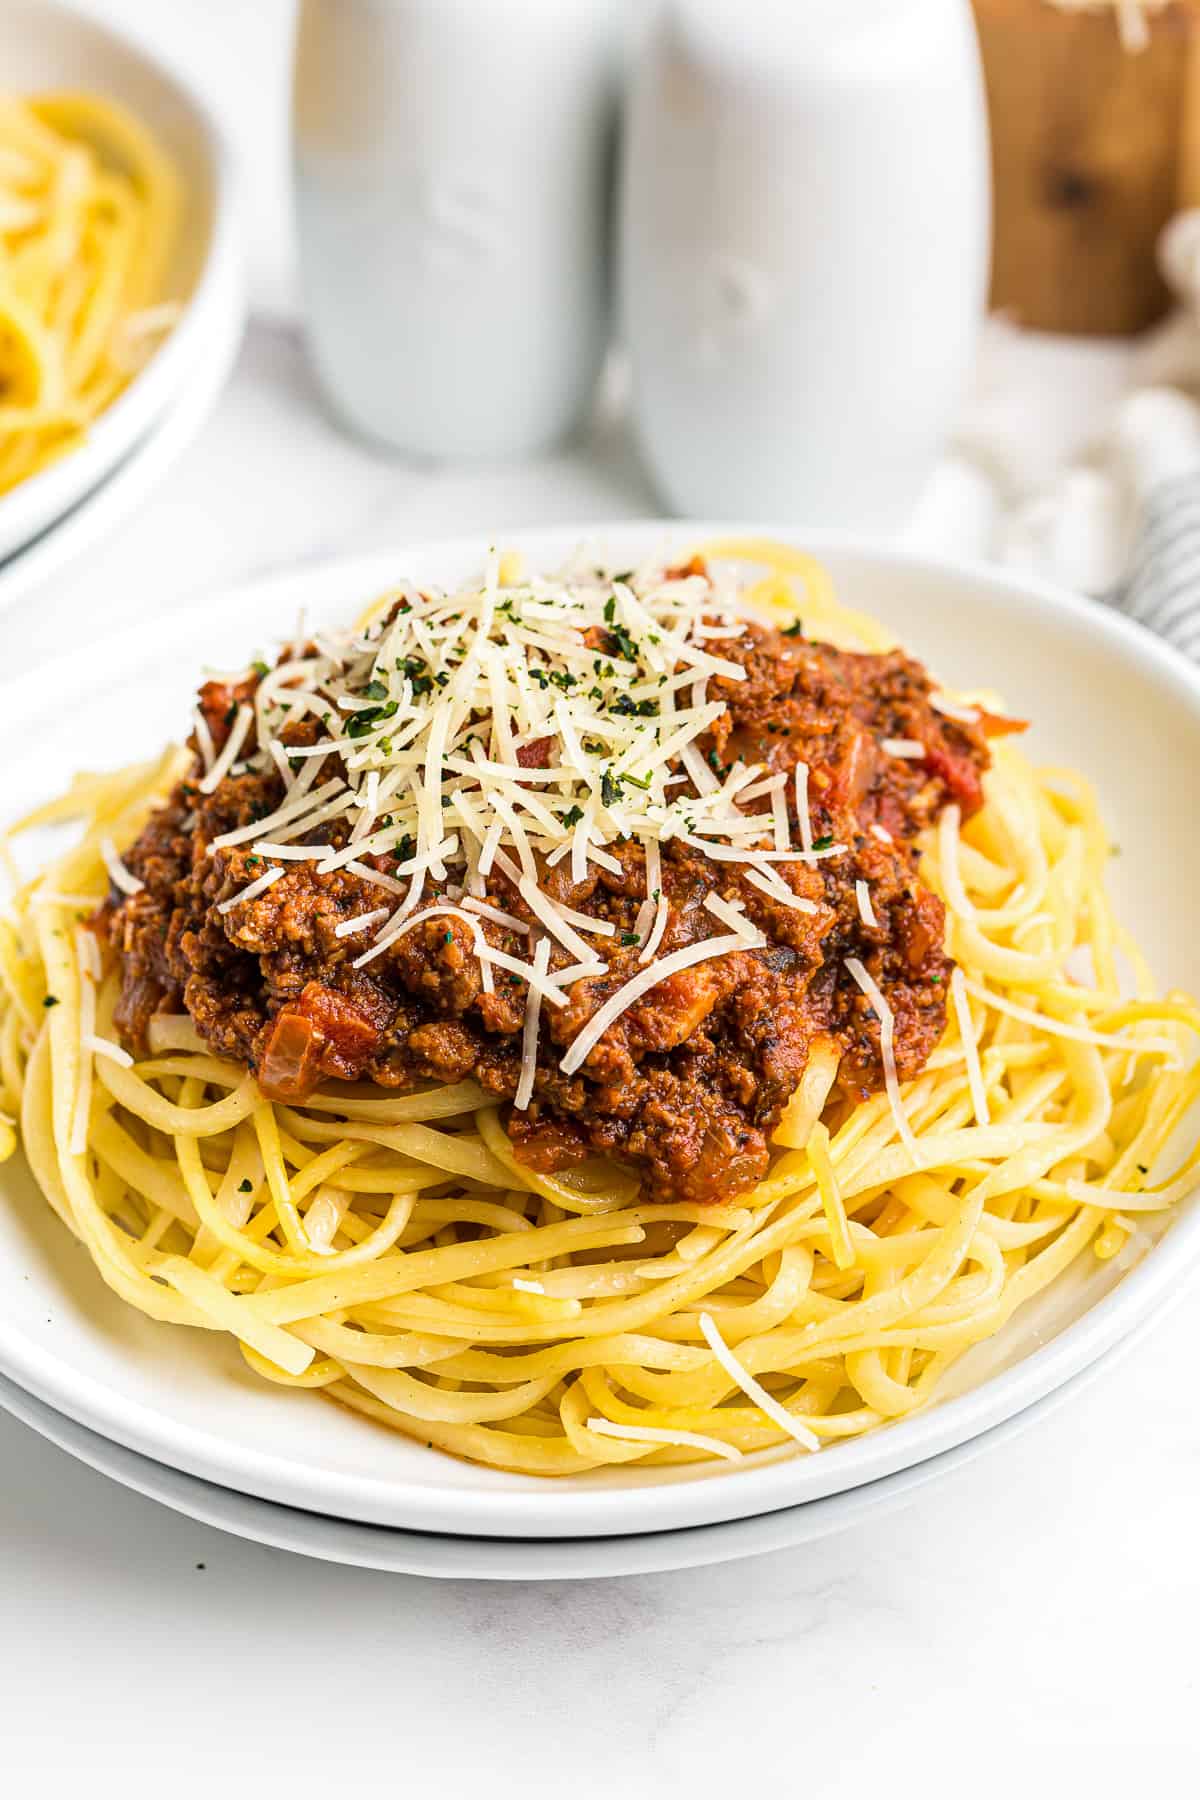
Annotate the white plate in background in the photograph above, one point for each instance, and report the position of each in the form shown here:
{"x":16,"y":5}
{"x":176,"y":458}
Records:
{"x":47,"y":45}
{"x":99,"y":513}
{"x":1104,"y":696}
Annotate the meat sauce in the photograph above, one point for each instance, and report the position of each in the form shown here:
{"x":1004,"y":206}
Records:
{"x":690,"y":1081}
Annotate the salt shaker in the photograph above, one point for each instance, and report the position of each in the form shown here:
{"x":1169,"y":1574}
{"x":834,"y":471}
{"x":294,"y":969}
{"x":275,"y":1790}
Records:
{"x":804,"y":243}
{"x":452,"y":185}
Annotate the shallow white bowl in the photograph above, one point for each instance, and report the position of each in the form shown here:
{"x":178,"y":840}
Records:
{"x":1104,"y":696}
{"x":123,"y":490}
{"x":44,"y":44}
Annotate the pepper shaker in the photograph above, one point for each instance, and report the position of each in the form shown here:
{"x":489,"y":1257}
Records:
{"x":804,"y":243}
{"x":451,"y":165}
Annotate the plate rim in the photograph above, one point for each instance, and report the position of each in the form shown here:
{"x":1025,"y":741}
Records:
{"x":446,"y":1556}
{"x":554,"y":1509}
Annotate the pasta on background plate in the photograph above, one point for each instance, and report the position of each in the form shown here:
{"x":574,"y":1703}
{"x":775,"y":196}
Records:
{"x":88,"y":218}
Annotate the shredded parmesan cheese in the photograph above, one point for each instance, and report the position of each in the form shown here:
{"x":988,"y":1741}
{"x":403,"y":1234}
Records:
{"x":866,"y":911}
{"x":654,"y":1434}
{"x":121,"y":877}
{"x":802,"y":812}
{"x":967,"y":715}
{"x":529,"y":1038}
{"x":731,"y":913}
{"x":754,"y":1390}
{"x":233,"y":743}
{"x":641,"y":984}
{"x":252,"y":891}
{"x":887,"y":1028}
{"x":510,"y":727}
{"x":208,"y":753}
{"x":910,"y":749}
{"x":661,"y":915}
{"x":361,"y":921}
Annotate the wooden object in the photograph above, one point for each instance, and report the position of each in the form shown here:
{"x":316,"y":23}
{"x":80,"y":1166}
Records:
{"x":1094,"y":147}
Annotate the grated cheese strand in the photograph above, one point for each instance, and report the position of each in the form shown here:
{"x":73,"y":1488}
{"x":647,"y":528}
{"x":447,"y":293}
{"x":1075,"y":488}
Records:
{"x":642,"y":983}
{"x":529,"y":1036}
{"x":361,"y":921}
{"x":887,"y":1028}
{"x":777,"y":890}
{"x":233,"y":743}
{"x":967,"y":715}
{"x":657,"y":1434}
{"x":802,"y":812}
{"x":662,"y":913}
{"x":866,"y":911}
{"x":754,"y":1390}
{"x":516,"y":724}
{"x":120,"y":876}
{"x":254,"y":889}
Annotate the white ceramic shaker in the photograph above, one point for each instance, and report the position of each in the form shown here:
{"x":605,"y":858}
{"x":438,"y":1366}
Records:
{"x":805,"y":229}
{"x":452,"y":168}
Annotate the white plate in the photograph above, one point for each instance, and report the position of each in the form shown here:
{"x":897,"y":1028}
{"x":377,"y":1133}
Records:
{"x":115,"y":499}
{"x":443,"y":1557}
{"x":49,"y":45}
{"x":1105,"y":696}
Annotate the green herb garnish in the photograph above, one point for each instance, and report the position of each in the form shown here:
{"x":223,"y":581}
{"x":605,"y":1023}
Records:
{"x":631,"y":709}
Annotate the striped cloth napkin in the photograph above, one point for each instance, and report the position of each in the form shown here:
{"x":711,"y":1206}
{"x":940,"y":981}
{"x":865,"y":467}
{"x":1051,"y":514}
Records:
{"x":1157,"y":445}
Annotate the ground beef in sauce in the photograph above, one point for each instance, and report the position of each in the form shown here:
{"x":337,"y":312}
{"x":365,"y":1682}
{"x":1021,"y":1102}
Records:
{"x":690,"y":1081}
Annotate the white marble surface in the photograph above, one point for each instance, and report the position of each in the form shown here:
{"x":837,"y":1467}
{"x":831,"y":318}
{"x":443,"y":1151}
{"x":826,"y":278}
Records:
{"x":1029,"y":1626}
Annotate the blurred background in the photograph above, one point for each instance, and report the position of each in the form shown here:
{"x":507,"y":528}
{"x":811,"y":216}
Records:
{"x":916,"y":267}
{"x":1123,"y":137}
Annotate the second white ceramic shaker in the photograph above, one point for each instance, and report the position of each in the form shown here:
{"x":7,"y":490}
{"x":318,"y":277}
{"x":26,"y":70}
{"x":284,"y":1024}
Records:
{"x":804,"y":240}
{"x":452,"y":165}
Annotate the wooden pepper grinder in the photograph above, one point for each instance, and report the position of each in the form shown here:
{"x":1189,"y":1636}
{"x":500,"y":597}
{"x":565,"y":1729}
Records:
{"x":1095,"y":119}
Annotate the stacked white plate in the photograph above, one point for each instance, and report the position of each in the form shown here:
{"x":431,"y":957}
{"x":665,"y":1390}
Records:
{"x":54,"y":516}
{"x":178,"y":1414}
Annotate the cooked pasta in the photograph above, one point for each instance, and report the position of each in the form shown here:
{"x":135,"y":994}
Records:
{"x":397,"y":1253}
{"x":88,"y":208}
